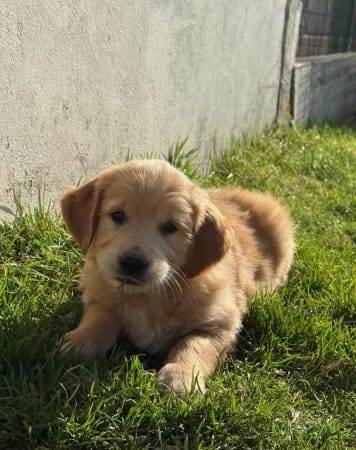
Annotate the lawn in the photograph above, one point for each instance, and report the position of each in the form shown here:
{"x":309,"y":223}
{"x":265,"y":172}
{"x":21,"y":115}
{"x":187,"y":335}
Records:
{"x":290,"y":382}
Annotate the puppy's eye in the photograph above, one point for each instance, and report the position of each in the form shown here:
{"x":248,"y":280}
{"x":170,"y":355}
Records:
{"x":118,"y":216}
{"x":168,"y":228}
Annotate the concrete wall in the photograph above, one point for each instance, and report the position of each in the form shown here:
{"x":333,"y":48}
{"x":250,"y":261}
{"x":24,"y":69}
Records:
{"x":324,"y":88}
{"x":84,"y":81}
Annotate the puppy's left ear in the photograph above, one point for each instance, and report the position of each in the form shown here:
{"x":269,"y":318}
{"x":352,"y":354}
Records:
{"x":210,"y":243}
{"x":80,"y":212}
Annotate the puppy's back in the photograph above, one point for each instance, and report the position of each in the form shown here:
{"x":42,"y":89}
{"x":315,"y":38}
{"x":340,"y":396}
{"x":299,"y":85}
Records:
{"x":269,"y":222}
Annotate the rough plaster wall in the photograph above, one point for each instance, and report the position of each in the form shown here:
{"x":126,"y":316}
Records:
{"x":84,"y":81}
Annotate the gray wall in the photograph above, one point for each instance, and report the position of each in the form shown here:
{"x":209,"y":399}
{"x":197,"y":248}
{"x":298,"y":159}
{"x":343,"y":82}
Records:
{"x":324,"y":88}
{"x":84,"y":81}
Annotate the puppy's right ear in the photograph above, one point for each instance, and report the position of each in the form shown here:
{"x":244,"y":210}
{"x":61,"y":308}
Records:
{"x":80,"y":212}
{"x":211,"y":242}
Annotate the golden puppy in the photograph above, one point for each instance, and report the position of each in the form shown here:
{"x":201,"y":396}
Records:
{"x":171,"y":266}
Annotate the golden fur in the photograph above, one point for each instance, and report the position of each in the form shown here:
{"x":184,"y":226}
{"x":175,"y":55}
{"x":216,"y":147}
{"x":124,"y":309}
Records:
{"x":187,"y":305}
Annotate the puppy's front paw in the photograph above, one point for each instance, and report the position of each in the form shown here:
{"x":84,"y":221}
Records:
{"x":79,"y":342}
{"x":181,"y":379}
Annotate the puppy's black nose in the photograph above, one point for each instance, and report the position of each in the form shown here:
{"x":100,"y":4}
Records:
{"x":133,"y":264}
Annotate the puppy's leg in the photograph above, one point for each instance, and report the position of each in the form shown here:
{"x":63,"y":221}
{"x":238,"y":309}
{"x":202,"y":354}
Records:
{"x":96,"y":333}
{"x":193,"y":358}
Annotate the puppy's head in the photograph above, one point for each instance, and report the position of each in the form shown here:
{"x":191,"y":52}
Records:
{"x":145,"y":224}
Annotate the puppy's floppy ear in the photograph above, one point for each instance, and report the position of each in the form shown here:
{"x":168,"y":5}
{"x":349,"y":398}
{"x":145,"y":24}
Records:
{"x":80,"y":212}
{"x":210,"y":242}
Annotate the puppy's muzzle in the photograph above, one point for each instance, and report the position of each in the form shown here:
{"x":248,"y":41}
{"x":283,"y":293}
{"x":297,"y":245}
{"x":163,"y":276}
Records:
{"x":133,"y":268}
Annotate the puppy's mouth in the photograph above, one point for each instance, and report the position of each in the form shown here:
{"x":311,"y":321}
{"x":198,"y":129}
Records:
{"x":129,"y":280}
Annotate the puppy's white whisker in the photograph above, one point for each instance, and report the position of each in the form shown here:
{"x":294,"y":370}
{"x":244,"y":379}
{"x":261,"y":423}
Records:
{"x":165,"y":294}
{"x":183,"y":279}
{"x":160,"y":289}
{"x":175,"y":286}
{"x":180,"y":275}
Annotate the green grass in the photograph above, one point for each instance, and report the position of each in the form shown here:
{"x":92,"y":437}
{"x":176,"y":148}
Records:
{"x":290,"y":382}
